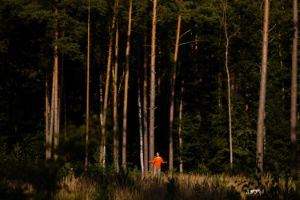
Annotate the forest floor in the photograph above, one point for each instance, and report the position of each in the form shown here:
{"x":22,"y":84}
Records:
{"x":177,"y":186}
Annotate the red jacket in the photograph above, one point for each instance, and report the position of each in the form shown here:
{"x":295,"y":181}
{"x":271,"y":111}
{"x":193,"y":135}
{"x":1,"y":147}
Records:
{"x":157,"y":161}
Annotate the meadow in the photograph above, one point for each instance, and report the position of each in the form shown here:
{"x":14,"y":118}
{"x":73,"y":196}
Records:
{"x":132,"y":186}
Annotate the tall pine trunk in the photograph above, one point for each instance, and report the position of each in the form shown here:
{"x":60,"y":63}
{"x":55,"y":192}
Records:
{"x":102,"y":154}
{"x":54,"y":108}
{"x":145,"y":94}
{"x":140,"y":128}
{"x":172,"y":99}
{"x":115,"y":104}
{"x":294,"y":92}
{"x":48,"y":143}
{"x":180,"y":127}
{"x":152,"y":84}
{"x":87,"y":115}
{"x":262,"y":92}
{"x":124,"y":134}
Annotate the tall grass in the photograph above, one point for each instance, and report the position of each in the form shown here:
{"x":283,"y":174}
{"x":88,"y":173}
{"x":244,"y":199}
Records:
{"x":179,"y":186}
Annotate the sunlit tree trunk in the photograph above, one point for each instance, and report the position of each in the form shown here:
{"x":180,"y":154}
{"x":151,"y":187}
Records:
{"x":173,"y":81}
{"x":262,"y":92}
{"x":115,"y":104}
{"x":87,"y":115}
{"x":145,"y":95}
{"x":152,"y":84}
{"x":180,"y":126}
{"x":294,"y":92}
{"x":227,"y":39}
{"x":54,"y":113}
{"x":124,"y":134}
{"x":102,"y":154}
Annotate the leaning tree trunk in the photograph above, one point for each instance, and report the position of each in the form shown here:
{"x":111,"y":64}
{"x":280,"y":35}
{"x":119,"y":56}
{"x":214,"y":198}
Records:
{"x":115,"y":104}
{"x":87,"y":115}
{"x":172,"y":99}
{"x":294,"y":92}
{"x":124,"y":134}
{"x":102,"y":154}
{"x":152,"y":84}
{"x":262,"y":92}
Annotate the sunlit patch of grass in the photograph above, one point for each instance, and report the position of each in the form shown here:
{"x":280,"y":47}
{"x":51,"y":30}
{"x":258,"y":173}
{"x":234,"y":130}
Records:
{"x":76,"y":188}
{"x":179,"y":186}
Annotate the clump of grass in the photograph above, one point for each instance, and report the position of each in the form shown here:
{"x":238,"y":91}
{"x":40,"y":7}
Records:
{"x":76,"y":188}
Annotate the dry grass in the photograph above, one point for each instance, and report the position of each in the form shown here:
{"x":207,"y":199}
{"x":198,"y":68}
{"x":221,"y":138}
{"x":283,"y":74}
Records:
{"x":181,"y":186}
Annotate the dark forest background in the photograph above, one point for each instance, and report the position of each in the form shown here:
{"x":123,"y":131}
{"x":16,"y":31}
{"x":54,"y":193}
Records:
{"x":26,"y":60}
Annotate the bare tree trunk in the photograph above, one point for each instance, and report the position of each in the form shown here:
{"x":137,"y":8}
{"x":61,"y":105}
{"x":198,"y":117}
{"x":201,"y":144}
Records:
{"x":173,"y":82}
{"x":262,"y":92}
{"x":51,"y":128}
{"x":87,"y":115}
{"x":102,"y":155}
{"x":145,"y":97}
{"x":152,"y":84}
{"x":115,"y":104}
{"x":48,"y":143}
{"x":55,"y":97}
{"x":141,"y":130}
{"x":294,"y":92}
{"x":227,"y":38}
{"x":124,"y":135}
{"x":180,"y":127}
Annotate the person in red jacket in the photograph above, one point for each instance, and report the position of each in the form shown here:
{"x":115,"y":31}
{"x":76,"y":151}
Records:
{"x":157,"y":161}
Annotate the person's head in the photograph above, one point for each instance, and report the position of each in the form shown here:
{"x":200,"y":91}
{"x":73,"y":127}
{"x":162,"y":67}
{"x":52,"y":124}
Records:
{"x":157,"y":154}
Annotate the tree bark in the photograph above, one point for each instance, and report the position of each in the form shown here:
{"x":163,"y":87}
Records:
{"x":152,"y":84}
{"x":227,"y":38}
{"x":87,"y":115}
{"x":180,"y":127}
{"x":102,"y":155}
{"x":294,"y":92}
{"x":262,"y":92}
{"x":115,"y":104}
{"x":124,"y":134}
{"x":141,"y":130}
{"x":48,"y":143}
{"x":145,"y":96}
{"x":172,"y":99}
{"x":54,"y":129}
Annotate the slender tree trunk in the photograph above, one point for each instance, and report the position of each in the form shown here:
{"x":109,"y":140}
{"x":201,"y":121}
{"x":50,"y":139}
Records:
{"x":124,"y":134}
{"x":102,"y":158}
{"x":115,"y":104}
{"x":180,"y":127}
{"x":55,"y":87}
{"x":141,"y":130}
{"x":294,"y":92}
{"x":262,"y":92}
{"x":152,"y":84}
{"x":48,"y":143}
{"x":145,"y":96}
{"x":227,"y":38}
{"x":87,"y":115}
{"x":173,"y":82}
{"x":51,"y":128}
